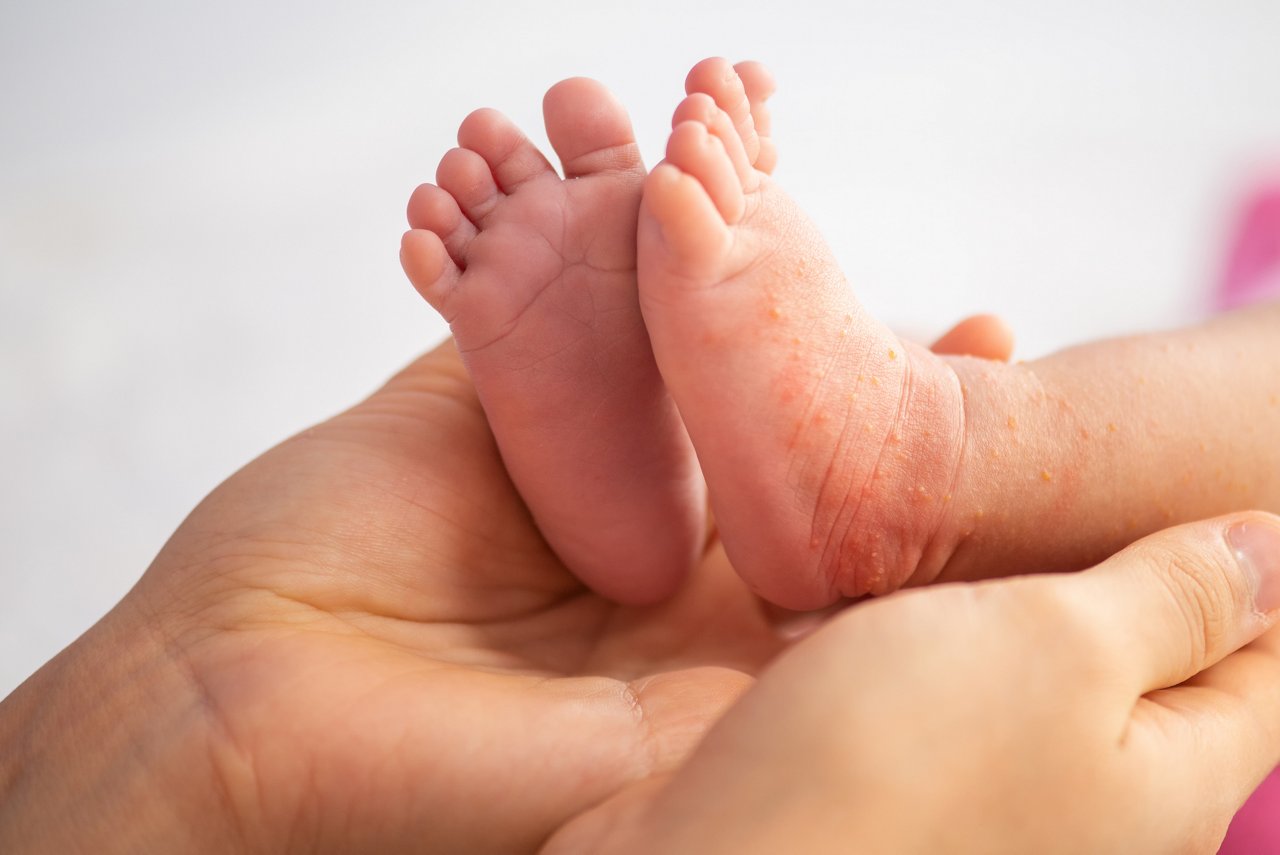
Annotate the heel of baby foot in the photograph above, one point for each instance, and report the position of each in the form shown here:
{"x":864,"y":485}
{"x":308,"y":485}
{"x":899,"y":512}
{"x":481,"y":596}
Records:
{"x":899,"y":532}
{"x":882,"y":481}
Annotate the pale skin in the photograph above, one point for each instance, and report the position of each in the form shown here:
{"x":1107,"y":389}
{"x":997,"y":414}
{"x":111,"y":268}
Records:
{"x":840,"y":460}
{"x":360,"y":642}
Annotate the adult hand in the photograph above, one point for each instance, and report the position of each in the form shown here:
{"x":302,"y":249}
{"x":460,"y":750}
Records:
{"x":361,"y":643}
{"x":1125,"y":709}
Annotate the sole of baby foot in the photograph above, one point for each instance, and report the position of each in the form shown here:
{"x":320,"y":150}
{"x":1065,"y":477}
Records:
{"x":536,"y":275}
{"x":830,"y":447}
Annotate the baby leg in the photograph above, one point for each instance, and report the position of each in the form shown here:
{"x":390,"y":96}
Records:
{"x":842,"y":461}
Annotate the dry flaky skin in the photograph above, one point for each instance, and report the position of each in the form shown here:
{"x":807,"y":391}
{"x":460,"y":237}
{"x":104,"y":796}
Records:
{"x":841,"y":461}
{"x":1073,"y":456}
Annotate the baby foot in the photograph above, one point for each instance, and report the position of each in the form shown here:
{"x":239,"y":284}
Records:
{"x":842,"y":461}
{"x":536,"y":276}
{"x":831,"y":449}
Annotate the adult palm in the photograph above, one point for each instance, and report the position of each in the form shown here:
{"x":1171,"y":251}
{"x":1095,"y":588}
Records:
{"x":360,"y":642}
{"x":384,"y":653}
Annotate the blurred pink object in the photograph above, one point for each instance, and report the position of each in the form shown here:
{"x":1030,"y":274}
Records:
{"x":1256,"y":828}
{"x":1252,"y":275}
{"x":1253,"y":263}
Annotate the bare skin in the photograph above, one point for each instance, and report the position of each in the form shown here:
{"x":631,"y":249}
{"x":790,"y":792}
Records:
{"x":536,"y":276}
{"x":1108,"y":711}
{"x":842,"y":461}
{"x":359,"y":643}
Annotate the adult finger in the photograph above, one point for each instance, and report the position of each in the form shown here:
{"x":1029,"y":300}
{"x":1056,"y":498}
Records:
{"x":1202,"y":747}
{"x":983,"y":336}
{"x":1179,"y":601}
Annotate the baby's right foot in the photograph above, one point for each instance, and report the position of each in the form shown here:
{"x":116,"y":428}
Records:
{"x":842,"y":461}
{"x":536,"y":276}
{"x":830,"y":448}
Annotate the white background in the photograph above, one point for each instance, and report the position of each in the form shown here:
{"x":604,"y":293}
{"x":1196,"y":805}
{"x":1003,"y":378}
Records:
{"x":200,"y":206}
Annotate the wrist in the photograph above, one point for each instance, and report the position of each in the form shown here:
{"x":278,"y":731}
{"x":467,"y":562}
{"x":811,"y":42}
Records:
{"x":102,"y":750}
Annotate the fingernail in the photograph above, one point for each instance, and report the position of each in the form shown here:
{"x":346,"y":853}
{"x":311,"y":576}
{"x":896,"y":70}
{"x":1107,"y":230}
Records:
{"x":1256,"y":546}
